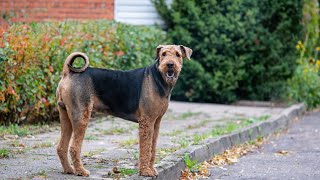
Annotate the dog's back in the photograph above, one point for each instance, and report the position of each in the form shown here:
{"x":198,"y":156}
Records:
{"x":116,"y":92}
{"x":119,"y":90}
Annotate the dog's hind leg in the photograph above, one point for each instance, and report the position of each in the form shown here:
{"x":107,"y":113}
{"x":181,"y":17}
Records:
{"x":79,"y":127}
{"x":62,"y":148}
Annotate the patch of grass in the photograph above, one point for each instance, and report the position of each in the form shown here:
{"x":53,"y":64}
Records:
{"x":100,"y":118}
{"x":172,"y":133}
{"x":169,"y":115}
{"x":218,"y":131}
{"x":40,"y":174}
{"x":14,"y":129}
{"x":8,"y":152}
{"x":227,"y":128}
{"x":118,"y":173}
{"x":113,"y":131}
{"x":43,"y":145}
{"x":98,"y":166}
{"x":128,"y":172}
{"x":4,"y":153}
{"x":188,"y":114}
{"x":189,"y":163}
{"x":198,"y":125}
{"x":128,"y":142}
{"x":135,"y":155}
{"x":184,"y":142}
{"x":118,"y":130}
{"x":91,"y":137}
{"x":163,"y":152}
{"x":14,"y":143}
{"x":230,"y":127}
{"x":90,"y":154}
{"x":248,"y":121}
{"x":197,"y":138}
{"x":133,"y":126}
{"x":99,"y":121}
{"x":25,"y":130}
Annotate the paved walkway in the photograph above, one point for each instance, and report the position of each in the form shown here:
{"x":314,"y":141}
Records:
{"x":112,"y":142}
{"x":295,"y":155}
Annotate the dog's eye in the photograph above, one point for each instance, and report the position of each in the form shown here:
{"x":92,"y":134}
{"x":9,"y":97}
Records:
{"x":164,"y":54}
{"x":177,"y":54}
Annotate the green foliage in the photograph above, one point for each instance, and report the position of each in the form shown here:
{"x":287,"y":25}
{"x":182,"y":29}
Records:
{"x":32,"y":56}
{"x":192,"y":83}
{"x":243,"y":48}
{"x":24,"y":130}
{"x":228,"y":128}
{"x":127,"y":172}
{"x":118,"y":173}
{"x":4,"y":153}
{"x":189,"y":163}
{"x":304,"y":85}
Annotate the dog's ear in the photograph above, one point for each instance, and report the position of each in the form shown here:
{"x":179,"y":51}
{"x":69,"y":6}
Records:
{"x":158,"y":51}
{"x":186,"y":52}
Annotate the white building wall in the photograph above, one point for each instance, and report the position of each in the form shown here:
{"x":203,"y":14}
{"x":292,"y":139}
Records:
{"x":136,"y":12}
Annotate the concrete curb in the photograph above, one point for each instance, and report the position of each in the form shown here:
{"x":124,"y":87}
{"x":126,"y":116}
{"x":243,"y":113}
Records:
{"x":171,"y":166}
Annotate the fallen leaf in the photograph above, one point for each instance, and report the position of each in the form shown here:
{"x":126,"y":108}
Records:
{"x":22,"y":145}
{"x":186,"y":175}
{"x":9,"y":136}
{"x":116,"y":170}
{"x":282,"y":152}
{"x":232,"y":160}
{"x":228,"y":157}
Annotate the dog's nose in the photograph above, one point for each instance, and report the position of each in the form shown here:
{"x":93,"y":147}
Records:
{"x":170,"y":64}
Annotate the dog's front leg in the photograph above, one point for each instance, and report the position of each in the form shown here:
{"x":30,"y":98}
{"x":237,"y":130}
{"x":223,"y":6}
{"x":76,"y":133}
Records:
{"x":146,"y":127}
{"x":154,"y":145}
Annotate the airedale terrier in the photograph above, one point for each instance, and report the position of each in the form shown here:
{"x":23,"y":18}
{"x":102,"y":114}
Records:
{"x":140,"y":95}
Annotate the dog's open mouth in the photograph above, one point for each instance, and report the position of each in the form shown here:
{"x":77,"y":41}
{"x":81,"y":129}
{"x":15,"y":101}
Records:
{"x":170,"y":73}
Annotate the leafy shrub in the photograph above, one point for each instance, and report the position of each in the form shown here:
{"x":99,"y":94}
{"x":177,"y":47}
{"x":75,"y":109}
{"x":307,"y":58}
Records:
{"x":32,"y":56}
{"x":192,"y":80}
{"x":246,"y":48}
{"x":304,"y":86}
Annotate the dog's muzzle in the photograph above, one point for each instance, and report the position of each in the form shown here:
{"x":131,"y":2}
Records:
{"x":170,"y":71}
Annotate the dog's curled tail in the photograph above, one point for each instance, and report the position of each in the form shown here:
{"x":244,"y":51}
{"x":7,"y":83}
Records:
{"x":69,"y":61}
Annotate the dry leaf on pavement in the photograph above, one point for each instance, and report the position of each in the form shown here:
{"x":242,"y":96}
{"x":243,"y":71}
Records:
{"x":282,"y":152}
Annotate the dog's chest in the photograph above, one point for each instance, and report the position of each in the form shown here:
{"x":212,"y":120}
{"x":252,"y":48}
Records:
{"x":152,"y":103}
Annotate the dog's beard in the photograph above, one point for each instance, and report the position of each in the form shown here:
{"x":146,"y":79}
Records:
{"x":171,"y":77}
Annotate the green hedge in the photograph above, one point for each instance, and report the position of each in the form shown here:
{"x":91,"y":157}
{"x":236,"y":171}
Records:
{"x":304,"y":85}
{"x":32,"y":55}
{"x":243,"y":48}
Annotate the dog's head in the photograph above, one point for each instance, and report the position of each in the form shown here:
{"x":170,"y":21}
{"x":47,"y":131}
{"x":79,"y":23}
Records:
{"x":170,"y":58}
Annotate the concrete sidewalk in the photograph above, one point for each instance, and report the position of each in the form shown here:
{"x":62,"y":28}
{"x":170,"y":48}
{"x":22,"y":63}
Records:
{"x":112,"y":142}
{"x":299,"y":156}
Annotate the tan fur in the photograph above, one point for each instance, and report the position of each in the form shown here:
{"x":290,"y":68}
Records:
{"x":77,"y":102}
{"x":153,"y":107}
{"x":62,"y":148}
{"x":68,"y":64}
{"x":149,"y":124}
{"x":73,"y":120}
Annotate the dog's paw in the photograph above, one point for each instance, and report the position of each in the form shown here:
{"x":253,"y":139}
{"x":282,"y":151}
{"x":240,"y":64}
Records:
{"x":82,"y":172}
{"x":69,"y":170}
{"x":147,"y":172}
{"x":154,"y":170}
